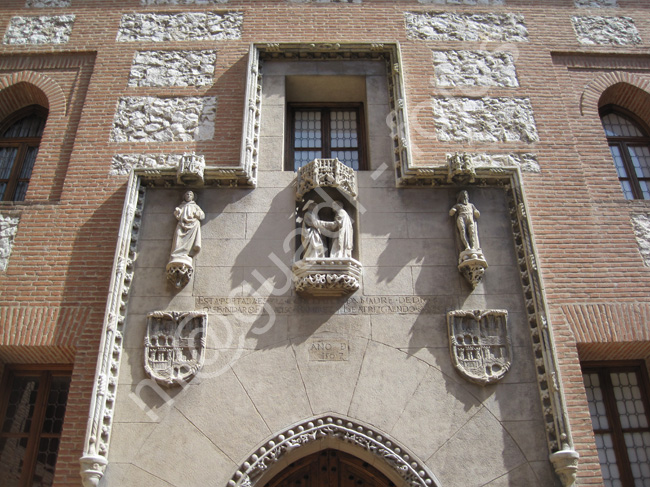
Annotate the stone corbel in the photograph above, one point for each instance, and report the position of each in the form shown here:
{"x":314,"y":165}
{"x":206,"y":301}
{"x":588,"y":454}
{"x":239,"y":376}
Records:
{"x":191,"y":169}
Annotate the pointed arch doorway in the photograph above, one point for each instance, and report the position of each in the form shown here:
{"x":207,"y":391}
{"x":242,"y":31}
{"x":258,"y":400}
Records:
{"x":330,"y":468}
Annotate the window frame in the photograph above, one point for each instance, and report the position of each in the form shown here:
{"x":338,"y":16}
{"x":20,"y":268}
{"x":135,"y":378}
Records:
{"x":23,"y":144}
{"x":617,"y":432}
{"x":624,"y":143}
{"x":45,"y":373}
{"x":325,"y":109}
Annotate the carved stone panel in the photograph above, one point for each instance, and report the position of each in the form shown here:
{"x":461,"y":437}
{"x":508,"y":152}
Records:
{"x":326,"y":173}
{"x":174,"y":347}
{"x":480,"y":344}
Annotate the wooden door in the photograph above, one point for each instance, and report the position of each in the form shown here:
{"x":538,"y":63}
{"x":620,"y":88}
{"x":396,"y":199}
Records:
{"x":330,"y":468}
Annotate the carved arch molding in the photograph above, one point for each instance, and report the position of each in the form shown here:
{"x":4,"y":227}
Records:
{"x":362,"y":438}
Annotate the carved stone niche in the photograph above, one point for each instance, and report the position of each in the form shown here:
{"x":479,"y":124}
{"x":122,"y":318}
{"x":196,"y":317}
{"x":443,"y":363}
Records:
{"x":174,"y":347}
{"x":326,"y":191}
{"x":479,"y":344}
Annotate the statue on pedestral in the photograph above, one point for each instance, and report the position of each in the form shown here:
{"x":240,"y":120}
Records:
{"x":187,"y":240}
{"x":471,"y":262}
{"x":466,"y":216}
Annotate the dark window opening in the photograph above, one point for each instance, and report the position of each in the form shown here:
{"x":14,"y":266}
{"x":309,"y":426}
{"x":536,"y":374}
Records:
{"x":629,"y":144}
{"x":618,"y":404}
{"x":20,"y":137}
{"x":326,"y":132}
{"x":32,"y":409}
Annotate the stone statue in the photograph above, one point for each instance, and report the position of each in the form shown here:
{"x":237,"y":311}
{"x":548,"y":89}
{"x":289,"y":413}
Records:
{"x":466,"y":216}
{"x":471,"y":261}
{"x":340,"y":231}
{"x":311,"y":237}
{"x":343,"y":241}
{"x":187,"y":240}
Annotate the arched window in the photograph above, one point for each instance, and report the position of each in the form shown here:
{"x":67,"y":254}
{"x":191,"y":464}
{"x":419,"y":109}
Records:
{"x":20,"y":136}
{"x":630,"y":147}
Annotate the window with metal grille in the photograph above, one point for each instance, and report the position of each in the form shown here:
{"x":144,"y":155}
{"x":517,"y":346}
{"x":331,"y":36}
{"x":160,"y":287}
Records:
{"x":629,"y":144}
{"x":20,"y":136}
{"x":326,"y":132}
{"x":618,"y":404}
{"x":32,"y":409}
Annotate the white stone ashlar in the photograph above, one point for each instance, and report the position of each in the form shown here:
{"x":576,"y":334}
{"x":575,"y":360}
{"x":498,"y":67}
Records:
{"x":328,"y":430}
{"x":479,"y":344}
{"x":182,"y":26}
{"x":612,"y":31}
{"x":174,"y":346}
{"x":595,"y":3}
{"x":44,"y":29}
{"x":451,"y":26}
{"x":641,"y":224}
{"x":47,"y":3}
{"x":326,"y":266}
{"x":173,"y":68}
{"x":471,"y":261}
{"x":500,"y":119}
{"x":8,"y":229}
{"x":186,"y":242}
{"x":474,"y":68}
{"x":154,"y":119}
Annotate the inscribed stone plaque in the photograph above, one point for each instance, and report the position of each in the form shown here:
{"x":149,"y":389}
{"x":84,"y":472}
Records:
{"x":328,"y":350}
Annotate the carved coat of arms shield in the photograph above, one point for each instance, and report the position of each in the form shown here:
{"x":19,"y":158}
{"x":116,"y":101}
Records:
{"x":174,"y":347}
{"x":480,"y":344}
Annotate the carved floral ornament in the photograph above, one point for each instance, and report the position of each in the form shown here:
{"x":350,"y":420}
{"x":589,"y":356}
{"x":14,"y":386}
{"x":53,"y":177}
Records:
{"x":361,"y":437}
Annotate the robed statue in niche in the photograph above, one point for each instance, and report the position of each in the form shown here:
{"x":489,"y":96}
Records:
{"x":187,"y":240}
{"x":339,"y":231}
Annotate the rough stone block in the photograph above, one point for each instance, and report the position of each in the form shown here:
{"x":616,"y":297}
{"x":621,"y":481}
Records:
{"x":8,"y":229}
{"x":451,"y":26}
{"x":47,"y":3}
{"x":597,"y":30}
{"x":53,"y":29}
{"x":641,"y":224}
{"x":485,"y":119}
{"x":154,"y":119}
{"x":475,"y":68}
{"x":595,"y":3}
{"x":172,"y":68}
{"x":183,"y":26}
{"x":463,"y":2}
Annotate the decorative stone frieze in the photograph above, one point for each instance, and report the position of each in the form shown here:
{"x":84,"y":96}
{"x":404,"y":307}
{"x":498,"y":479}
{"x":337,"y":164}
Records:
{"x":45,"y":29}
{"x":464,"y":2}
{"x":479,"y":344}
{"x":451,"y":26}
{"x":326,"y":277}
{"x":182,"y":2}
{"x":153,"y":119}
{"x":172,"y":68}
{"x":174,"y":346}
{"x":612,"y":31}
{"x":641,"y":224}
{"x":326,"y":173}
{"x":595,"y":3}
{"x":474,"y":68}
{"x":8,"y":229}
{"x":94,"y":459}
{"x":363,"y":437}
{"x":501,"y":119}
{"x":183,"y":26}
{"x":47,"y":3}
